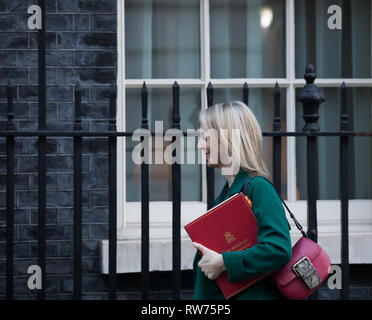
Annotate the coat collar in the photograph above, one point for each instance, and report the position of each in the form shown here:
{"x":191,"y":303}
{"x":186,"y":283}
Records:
{"x":240,"y":179}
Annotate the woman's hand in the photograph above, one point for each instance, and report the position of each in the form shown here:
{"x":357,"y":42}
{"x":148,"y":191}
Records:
{"x":211,"y":263}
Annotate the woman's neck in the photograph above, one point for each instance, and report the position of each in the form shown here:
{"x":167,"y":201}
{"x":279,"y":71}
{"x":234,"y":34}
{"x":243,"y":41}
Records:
{"x":230,"y":179}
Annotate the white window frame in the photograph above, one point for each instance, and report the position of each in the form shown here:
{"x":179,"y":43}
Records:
{"x":129,"y":213}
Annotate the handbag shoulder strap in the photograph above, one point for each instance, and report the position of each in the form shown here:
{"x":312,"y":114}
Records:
{"x":298,"y":225}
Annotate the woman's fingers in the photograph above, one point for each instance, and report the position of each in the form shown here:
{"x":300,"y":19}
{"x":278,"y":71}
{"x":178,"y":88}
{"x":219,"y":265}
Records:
{"x":200,"y":247}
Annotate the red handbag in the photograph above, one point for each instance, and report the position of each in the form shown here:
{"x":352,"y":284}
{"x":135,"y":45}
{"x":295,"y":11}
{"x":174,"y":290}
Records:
{"x":308,"y":267}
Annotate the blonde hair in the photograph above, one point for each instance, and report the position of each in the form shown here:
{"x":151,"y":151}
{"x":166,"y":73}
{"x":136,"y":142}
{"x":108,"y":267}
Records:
{"x":237,"y":115}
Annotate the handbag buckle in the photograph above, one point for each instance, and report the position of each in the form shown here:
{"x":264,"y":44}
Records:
{"x":305,"y":270}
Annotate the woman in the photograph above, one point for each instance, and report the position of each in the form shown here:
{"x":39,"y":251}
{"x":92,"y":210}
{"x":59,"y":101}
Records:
{"x":274,"y":248}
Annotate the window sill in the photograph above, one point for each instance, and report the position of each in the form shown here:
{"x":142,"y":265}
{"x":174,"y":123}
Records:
{"x":129,"y":247}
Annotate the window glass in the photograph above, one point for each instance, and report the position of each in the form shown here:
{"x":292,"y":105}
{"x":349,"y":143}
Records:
{"x":160,"y":109}
{"x":162,"y":39}
{"x":336,"y":53}
{"x":247,"y":38}
{"x":360,"y":148}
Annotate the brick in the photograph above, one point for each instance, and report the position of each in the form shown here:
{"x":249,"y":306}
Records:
{"x":78,"y":40}
{"x":20,"y":285}
{"x":90,"y":266}
{"x":21,"y":216}
{"x":28,"y":93}
{"x":59,"y":22}
{"x":81,"y":58}
{"x":51,"y":146}
{"x":8,"y":22}
{"x":65,"y":215}
{"x":59,"y":232}
{"x":93,"y":283}
{"x":85,"y":75}
{"x":13,"y":6}
{"x":13,"y":40}
{"x":65,"y":249}
{"x":51,"y":248}
{"x":22,"y":266}
{"x":27,"y":125}
{"x":87,"y":6}
{"x":51,"y":286}
{"x":8,"y":58}
{"x":92,"y":111}
{"x":100,"y":93}
{"x":59,"y":266}
{"x":51,"y":111}
{"x":27,"y":164}
{"x":3,"y":93}
{"x":103,"y":22}
{"x":90,"y":248}
{"x":59,"y":58}
{"x":95,"y":215}
{"x":21,"y":182}
{"x":22,"y":24}
{"x":98,"y":231}
{"x":358,"y":293}
{"x":28,"y":233}
{"x":65,"y":181}
{"x":98,"y":125}
{"x":59,"y":93}
{"x":59,"y":199}
{"x":21,"y":250}
{"x":2,"y":164}
{"x":95,"y":181}
{"x":51,"y":216}
{"x":66,"y":285}
{"x":56,"y":125}
{"x":51,"y":182}
{"x":22,"y":146}
{"x":81,"y":22}
{"x":17,"y":75}
{"x":50,"y":74}
{"x":59,"y":163}
{"x":65,"y":146}
{"x":50,"y":5}
{"x":95,"y":145}
{"x":99,"y":164}
{"x":104,"y":59}
{"x":27,"y":58}
{"x":50,"y":40}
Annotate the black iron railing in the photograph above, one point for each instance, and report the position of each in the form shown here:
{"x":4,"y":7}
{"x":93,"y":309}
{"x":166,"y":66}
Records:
{"x":311,"y":98}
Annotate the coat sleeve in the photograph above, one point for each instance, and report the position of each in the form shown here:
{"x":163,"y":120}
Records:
{"x":273,"y":249}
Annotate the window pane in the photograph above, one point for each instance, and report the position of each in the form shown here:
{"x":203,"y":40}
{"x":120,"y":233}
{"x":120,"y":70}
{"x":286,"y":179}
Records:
{"x":162,"y":39}
{"x":360,"y":170}
{"x":247,"y":38}
{"x":336,"y":53}
{"x":160,"y":109}
{"x":261,"y":102}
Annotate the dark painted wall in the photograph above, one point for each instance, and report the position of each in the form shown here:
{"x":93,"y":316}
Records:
{"x":81,"y":46}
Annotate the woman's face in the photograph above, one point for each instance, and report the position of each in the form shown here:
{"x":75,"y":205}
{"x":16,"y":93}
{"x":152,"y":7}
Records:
{"x":204,"y":143}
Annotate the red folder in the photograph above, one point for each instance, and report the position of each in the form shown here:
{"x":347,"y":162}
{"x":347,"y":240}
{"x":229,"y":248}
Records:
{"x":229,"y":226}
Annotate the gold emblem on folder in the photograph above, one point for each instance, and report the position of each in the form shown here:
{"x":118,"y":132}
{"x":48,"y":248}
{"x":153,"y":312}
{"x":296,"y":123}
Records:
{"x":229,"y":237}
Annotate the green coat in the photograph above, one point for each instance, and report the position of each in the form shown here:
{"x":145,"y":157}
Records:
{"x":273,"y":250}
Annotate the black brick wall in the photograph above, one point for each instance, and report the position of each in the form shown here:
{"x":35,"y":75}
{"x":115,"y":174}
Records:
{"x":81,"y":46}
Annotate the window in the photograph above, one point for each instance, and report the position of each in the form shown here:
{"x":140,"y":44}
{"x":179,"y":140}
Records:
{"x":228,"y":43}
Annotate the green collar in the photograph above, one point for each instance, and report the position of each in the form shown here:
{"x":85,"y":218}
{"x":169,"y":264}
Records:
{"x":240,"y":179}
